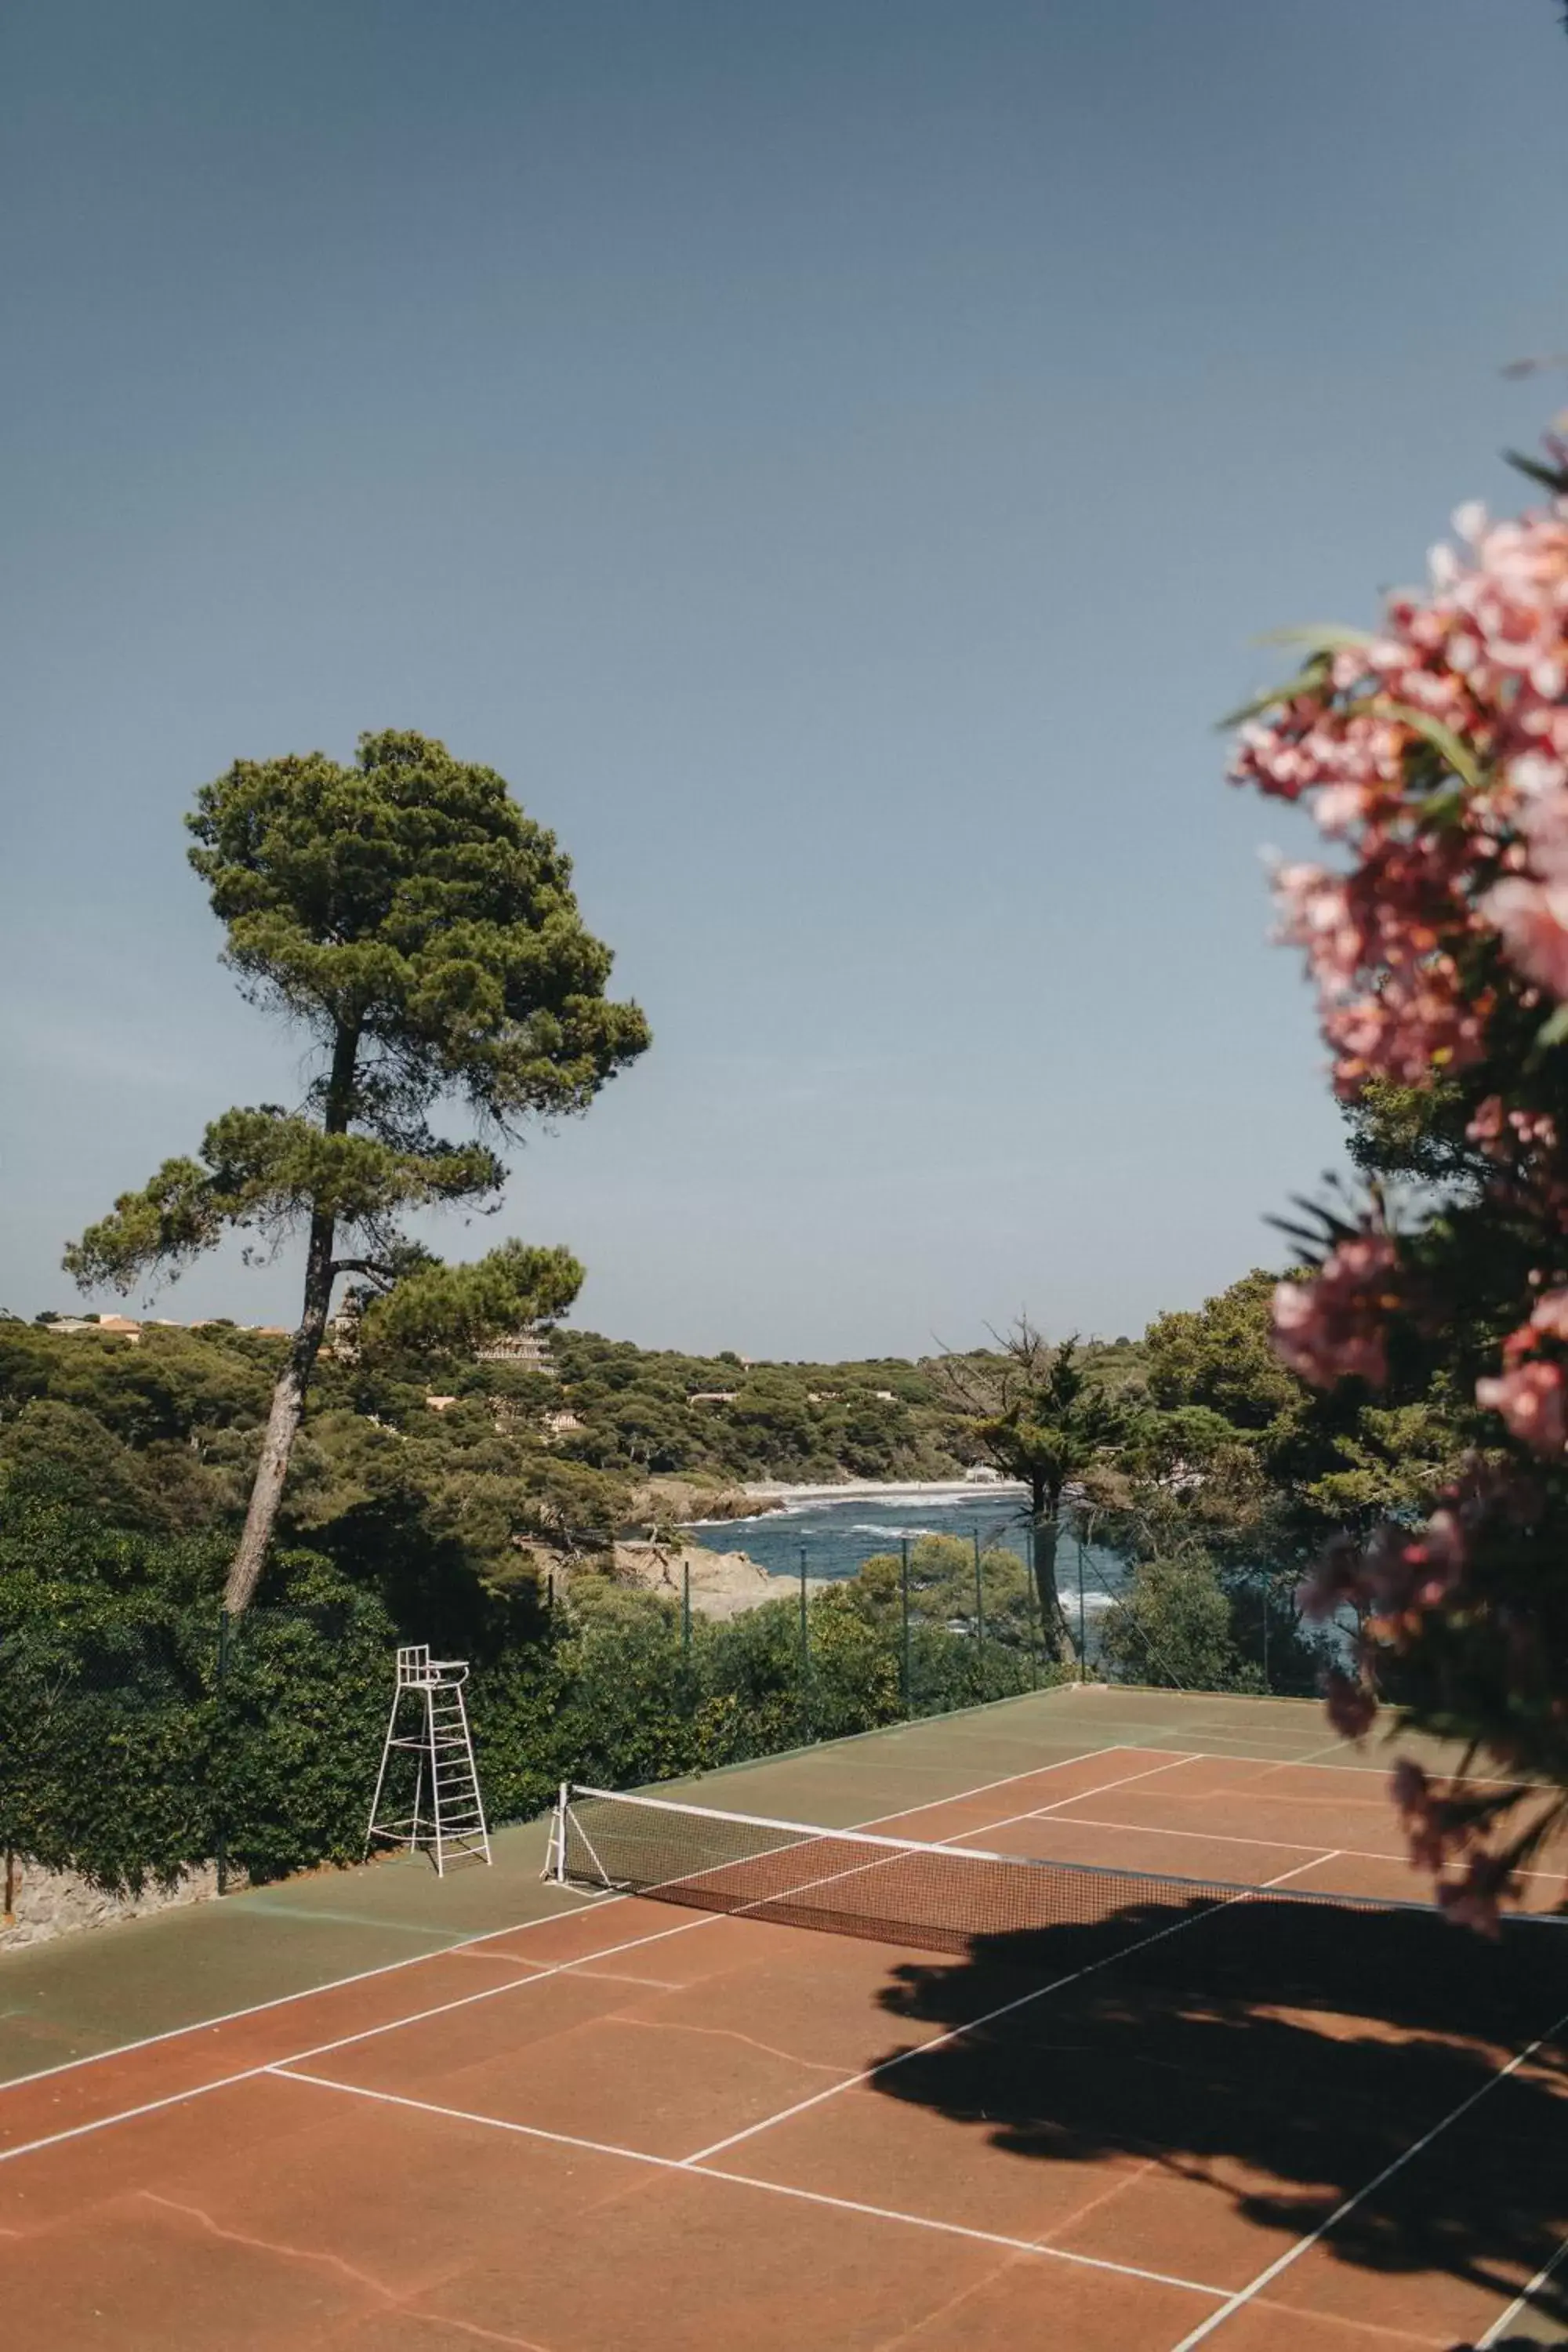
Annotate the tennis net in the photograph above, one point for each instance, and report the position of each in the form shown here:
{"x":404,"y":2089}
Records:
{"x":943,"y":1898}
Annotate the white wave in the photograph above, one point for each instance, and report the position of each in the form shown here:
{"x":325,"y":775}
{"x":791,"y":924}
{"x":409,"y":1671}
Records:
{"x":943,"y":1502}
{"x":939,"y":1493}
{"x":870,"y":1527}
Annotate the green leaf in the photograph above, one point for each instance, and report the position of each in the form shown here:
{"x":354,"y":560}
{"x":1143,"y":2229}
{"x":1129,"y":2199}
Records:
{"x":1321,"y":637}
{"x":1443,"y":739}
{"x":1551,"y":477}
{"x":1306,"y":681}
{"x":1554,"y":1029}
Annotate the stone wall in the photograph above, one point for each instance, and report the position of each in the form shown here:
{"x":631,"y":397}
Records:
{"x":44,"y":1903}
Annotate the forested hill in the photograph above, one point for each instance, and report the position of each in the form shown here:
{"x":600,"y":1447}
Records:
{"x":721,"y":1416}
{"x":160,"y":1433}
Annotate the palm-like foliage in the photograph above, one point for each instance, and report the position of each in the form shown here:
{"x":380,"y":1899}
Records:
{"x":1040,"y":1415}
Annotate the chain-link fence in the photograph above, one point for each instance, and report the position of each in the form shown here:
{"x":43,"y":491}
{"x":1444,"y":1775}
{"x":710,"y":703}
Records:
{"x":141,"y":1734}
{"x":1197,"y":1615}
{"x":986,"y":1611}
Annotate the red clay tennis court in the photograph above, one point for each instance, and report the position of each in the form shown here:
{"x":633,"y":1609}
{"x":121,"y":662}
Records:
{"x":1129,"y":2104}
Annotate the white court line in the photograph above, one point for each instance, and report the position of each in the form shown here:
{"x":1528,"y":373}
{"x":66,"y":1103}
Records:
{"x":1233,"y":1837}
{"x":278,"y":2000}
{"x":1342,"y":1771}
{"x":1332,"y":1749}
{"x":1041,"y":1812}
{"x":744,"y":2180}
{"x":1245,"y":2294}
{"x":984,"y":1788}
{"x":1521,"y":2302}
{"x":972,"y":2024}
{"x":1311,"y":1760}
{"x":491,"y":1992}
{"x":525,"y":1927}
{"x":440,"y":2009}
{"x":491,"y":1935}
{"x":322,"y":2049}
{"x":1218,"y":1837}
{"x":422,"y":2016}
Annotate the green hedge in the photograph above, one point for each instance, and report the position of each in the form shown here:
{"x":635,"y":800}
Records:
{"x":135,"y":1738}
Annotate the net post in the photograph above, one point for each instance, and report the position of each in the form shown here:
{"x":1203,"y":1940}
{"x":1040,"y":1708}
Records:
{"x":564,"y":1798}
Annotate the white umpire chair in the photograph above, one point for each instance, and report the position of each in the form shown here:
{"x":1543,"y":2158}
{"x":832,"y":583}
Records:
{"x":429,"y":1721}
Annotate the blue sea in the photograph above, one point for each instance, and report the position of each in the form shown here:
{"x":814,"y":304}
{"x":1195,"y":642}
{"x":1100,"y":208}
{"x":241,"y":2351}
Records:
{"x":830,"y":1536}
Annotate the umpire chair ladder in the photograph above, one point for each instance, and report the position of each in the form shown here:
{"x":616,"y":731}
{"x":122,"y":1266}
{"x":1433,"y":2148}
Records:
{"x":429,"y":1720}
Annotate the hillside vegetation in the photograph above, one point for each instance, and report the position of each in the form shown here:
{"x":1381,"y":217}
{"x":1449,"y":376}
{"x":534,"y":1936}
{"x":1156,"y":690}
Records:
{"x":483,"y":1460}
{"x":474,"y":1504}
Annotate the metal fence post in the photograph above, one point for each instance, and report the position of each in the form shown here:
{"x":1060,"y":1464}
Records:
{"x":979,"y":1612}
{"x":805,"y":1654}
{"x":220,"y":1825}
{"x":904,"y":1599}
{"x":686,"y":1611}
{"x":1266,"y":1600}
{"x":1082,"y":1636}
{"x":1031,"y":1604}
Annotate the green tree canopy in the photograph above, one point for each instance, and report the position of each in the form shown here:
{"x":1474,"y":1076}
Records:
{"x":1041,"y":1416}
{"x":422,"y":931}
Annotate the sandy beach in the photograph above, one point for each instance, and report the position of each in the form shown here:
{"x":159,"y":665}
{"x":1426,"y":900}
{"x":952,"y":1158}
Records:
{"x":848,"y":1490}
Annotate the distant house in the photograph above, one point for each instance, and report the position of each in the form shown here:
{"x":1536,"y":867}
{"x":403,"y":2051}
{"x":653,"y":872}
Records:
{"x":69,"y":1326}
{"x":981,"y":1474}
{"x":529,"y":1350}
{"x":712,"y":1396}
{"x":124,"y":1326}
{"x":343,"y":1339}
{"x":439,"y":1405}
{"x":561,"y":1425}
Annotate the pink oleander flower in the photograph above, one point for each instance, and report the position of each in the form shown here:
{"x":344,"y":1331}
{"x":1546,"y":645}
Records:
{"x":1483,"y":654}
{"x":1433,"y":758}
{"x":1331,"y":1327}
{"x":1439,"y":1834}
{"x":1404,"y":1576}
{"x":1442,"y":1547}
{"x":1429,"y":1830}
{"x":1473,"y":1901}
{"x":1351,"y":1707}
{"x":1335,"y":1578}
{"x":1531,"y":1400}
{"x":1548,"y":1316}
{"x":1531,"y":920}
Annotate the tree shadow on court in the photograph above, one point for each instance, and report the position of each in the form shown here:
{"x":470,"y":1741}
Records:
{"x":1284,"y":2054}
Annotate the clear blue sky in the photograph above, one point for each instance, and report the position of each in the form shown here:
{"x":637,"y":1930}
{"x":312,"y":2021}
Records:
{"x":836,"y":459}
